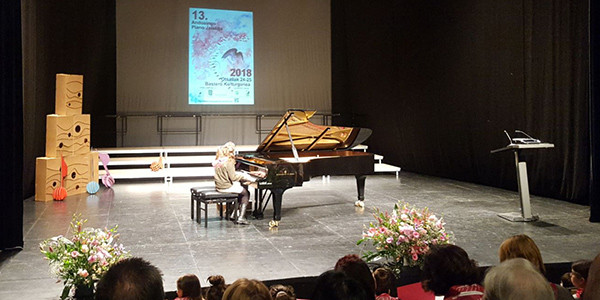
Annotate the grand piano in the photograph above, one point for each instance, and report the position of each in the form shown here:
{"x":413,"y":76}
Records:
{"x":296,"y":150}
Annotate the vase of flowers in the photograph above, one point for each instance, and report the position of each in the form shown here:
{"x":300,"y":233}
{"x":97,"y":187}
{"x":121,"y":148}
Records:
{"x":80,"y":261}
{"x":403,"y":236}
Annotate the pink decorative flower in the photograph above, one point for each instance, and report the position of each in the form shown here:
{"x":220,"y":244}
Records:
{"x":74,"y":254}
{"x":83,"y":273}
{"x":92,"y":259}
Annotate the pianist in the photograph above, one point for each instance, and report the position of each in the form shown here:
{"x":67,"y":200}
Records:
{"x":227,"y":180}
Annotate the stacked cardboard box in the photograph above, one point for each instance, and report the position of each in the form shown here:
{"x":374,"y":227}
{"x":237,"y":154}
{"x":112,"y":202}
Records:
{"x":67,"y":135}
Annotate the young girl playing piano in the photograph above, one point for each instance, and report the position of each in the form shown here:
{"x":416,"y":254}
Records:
{"x":227,"y":180}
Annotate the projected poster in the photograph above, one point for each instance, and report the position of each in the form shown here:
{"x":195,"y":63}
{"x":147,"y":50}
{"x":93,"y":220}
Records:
{"x":221,"y":58}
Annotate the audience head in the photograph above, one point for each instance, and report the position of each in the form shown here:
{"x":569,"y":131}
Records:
{"x":579,"y":273}
{"x":565,"y":280}
{"x":282,"y":292}
{"x":247,"y":289}
{"x":516,"y":279}
{"x":217,"y":288}
{"x":524,"y":247}
{"x":131,"y":279}
{"x":335,"y":285}
{"x":189,"y":286}
{"x":384,"y":280}
{"x":356,"y":268}
{"x":447,"y":265}
{"x":592,"y":290}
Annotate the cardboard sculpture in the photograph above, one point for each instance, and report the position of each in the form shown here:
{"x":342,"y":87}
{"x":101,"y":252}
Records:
{"x":67,"y":134}
{"x":69,"y":94}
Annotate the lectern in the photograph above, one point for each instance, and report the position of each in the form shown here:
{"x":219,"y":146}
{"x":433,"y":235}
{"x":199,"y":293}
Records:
{"x":525,"y":215}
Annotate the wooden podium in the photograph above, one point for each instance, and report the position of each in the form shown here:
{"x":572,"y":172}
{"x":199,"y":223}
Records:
{"x":525,"y":215}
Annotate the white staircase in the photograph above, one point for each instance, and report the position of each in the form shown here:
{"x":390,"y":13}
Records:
{"x":183,"y":162}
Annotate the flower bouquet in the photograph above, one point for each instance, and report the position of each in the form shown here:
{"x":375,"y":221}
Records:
{"x":403,"y":236}
{"x":84,"y":258}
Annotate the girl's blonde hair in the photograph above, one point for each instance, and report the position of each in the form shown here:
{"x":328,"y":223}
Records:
{"x":522,"y":246}
{"x":247,"y":289}
{"x":227,"y":150}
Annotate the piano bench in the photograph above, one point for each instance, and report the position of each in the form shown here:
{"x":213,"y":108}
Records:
{"x":207,"y":196}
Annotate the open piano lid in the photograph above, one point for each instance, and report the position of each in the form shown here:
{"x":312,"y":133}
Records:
{"x":308,"y":136}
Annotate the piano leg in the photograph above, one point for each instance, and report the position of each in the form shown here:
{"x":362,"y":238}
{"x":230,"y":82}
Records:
{"x":360,"y":185}
{"x":258,"y":204}
{"x":277,"y":197}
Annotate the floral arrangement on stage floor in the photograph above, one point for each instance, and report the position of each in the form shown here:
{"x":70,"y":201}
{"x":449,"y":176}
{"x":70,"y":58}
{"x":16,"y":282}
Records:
{"x":403,"y":236}
{"x":80,"y":261}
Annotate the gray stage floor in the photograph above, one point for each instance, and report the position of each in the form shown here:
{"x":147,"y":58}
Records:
{"x":319,"y":225}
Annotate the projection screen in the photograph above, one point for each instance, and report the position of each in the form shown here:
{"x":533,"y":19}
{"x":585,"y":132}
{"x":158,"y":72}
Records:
{"x":291,"y":53}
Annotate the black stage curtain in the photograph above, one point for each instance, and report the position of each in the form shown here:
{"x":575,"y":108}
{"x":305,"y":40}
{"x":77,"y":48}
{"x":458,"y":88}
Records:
{"x":73,"y":37}
{"x":438,"y":82}
{"x":595,"y":112}
{"x":11,"y":118}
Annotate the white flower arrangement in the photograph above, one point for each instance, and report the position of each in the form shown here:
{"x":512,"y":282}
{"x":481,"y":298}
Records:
{"x":84,"y":258}
{"x":403,"y":236}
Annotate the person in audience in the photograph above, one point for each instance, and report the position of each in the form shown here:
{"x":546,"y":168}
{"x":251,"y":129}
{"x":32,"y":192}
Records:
{"x":335,"y":285}
{"x":188,"y":288}
{"x":247,"y":289}
{"x":131,"y":279}
{"x":516,"y":279}
{"x":565,"y":281}
{"x":356,"y":268}
{"x":217,"y":287}
{"x":579,"y":274}
{"x":227,"y":180}
{"x":448,"y":271}
{"x":384,"y":282}
{"x":524,"y":247}
{"x":282,"y":292}
{"x":592,"y":287}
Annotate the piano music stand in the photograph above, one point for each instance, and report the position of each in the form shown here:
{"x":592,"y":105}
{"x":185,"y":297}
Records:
{"x":525,"y":215}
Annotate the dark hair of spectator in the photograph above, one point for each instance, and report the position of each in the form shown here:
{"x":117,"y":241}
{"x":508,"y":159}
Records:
{"x":217,"y":288}
{"x":357,"y":269}
{"x":565,"y":280}
{"x":581,"y":268}
{"x":384,"y":280}
{"x":131,"y":279}
{"x":334,"y":285}
{"x":190,"y":287}
{"x":447,"y":265}
{"x":282,"y":292}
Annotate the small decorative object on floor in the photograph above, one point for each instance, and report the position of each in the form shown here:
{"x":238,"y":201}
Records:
{"x":403,"y":236}
{"x":107,"y":179}
{"x":155,"y":166}
{"x":80,"y":261}
{"x":92,"y":187}
{"x":60,"y":193}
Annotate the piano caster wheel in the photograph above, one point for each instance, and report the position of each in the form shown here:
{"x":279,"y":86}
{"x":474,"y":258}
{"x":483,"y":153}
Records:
{"x":359,"y":203}
{"x":273,"y":224}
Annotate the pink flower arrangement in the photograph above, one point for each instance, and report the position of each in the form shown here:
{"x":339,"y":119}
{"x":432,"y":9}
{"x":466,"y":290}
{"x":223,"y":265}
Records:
{"x":84,"y":258}
{"x":403,"y":236}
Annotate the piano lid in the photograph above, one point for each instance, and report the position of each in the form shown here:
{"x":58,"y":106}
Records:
{"x":308,"y":136}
